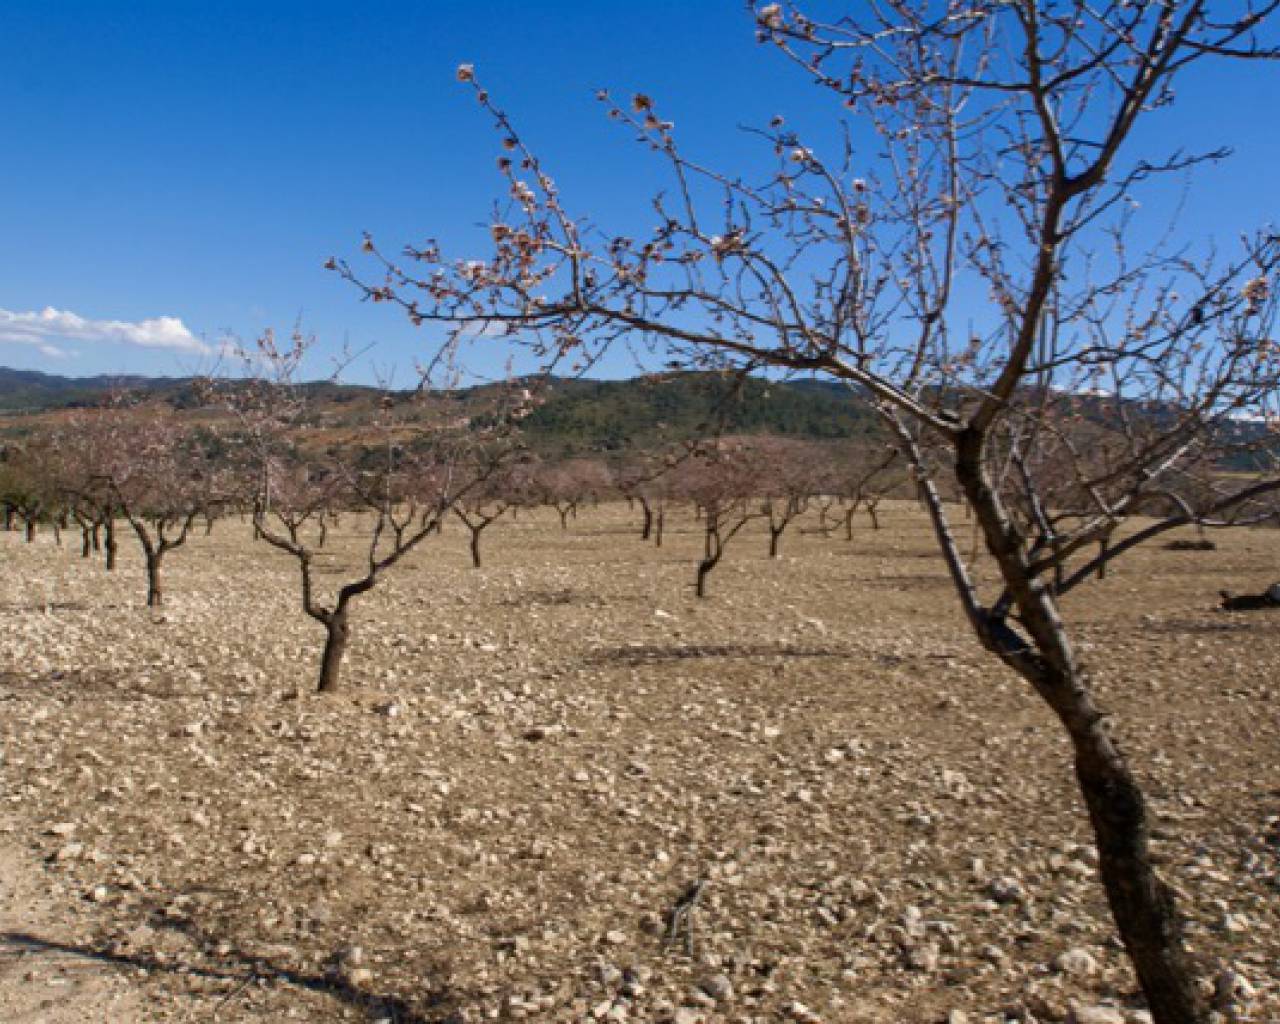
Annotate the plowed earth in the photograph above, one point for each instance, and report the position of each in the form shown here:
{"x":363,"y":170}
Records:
{"x":533,"y":761}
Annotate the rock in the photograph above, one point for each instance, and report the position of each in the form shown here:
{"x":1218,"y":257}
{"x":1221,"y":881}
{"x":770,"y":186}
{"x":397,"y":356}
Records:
{"x":923,"y":958}
{"x":1094,"y":1015}
{"x":797,"y":1011}
{"x":718,"y":987}
{"x":1231,"y":988}
{"x":350,"y":956}
{"x":1235,"y":924}
{"x":1077,"y":962}
{"x":540,"y":732}
{"x":1006,"y":889}
{"x":615,"y":937}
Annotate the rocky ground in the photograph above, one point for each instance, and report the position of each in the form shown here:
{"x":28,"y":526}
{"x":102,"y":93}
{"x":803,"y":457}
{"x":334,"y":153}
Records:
{"x":534,"y":762}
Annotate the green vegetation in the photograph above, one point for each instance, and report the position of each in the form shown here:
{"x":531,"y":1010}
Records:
{"x":578,"y":415}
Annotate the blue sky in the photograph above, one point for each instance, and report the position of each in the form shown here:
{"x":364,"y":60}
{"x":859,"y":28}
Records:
{"x":178,"y":169}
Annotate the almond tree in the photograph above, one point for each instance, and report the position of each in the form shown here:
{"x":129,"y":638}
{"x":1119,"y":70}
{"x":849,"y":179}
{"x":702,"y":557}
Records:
{"x":565,"y":485}
{"x":155,"y":477}
{"x":82,"y":453}
{"x":393,"y":493}
{"x":27,"y":489}
{"x":790,"y":474}
{"x":645,"y":478}
{"x":968,"y":254}
{"x":505,"y":486}
{"x":722,"y":480}
{"x":862,"y":480}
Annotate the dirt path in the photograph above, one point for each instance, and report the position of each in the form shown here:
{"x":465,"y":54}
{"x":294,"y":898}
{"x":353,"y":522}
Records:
{"x":43,"y":978}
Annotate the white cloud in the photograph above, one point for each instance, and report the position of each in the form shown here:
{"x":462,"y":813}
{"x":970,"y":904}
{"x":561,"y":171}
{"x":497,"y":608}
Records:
{"x":51,"y":324}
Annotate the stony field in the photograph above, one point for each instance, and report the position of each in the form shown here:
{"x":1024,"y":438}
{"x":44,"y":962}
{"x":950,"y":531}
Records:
{"x":534,"y":761}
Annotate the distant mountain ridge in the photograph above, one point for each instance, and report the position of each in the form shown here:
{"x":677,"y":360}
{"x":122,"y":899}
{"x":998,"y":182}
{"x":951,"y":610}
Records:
{"x":579,"y":415}
{"x":34,"y":391}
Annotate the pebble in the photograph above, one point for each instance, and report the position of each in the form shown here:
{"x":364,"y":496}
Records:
{"x":1076,"y":962}
{"x":718,"y":987}
{"x":1094,"y":1015}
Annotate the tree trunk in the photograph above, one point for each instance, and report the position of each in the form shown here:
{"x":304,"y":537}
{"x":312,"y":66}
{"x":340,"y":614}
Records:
{"x":712,"y":550}
{"x":31,"y":531}
{"x":775,"y":536}
{"x":335,"y":646}
{"x":1141,"y":903}
{"x":111,"y":544}
{"x":97,"y":536}
{"x":647,"y":529}
{"x":704,"y":570}
{"x":659,"y":521}
{"x":875,"y":516}
{"x":475,"y":547}
{"x":848,"y":522}
{"x":155,"y":596}
{"x":86,"y":542}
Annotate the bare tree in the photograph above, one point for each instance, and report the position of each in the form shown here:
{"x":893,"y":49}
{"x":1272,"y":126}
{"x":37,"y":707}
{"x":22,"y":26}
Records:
{"x":28,"y":490}
{"x":155,"y":476}
{"x":789,"y":475}
{"x":970,"y":267}
{"x":567,"y":484}
{"x":863,"y":479}
{"x":503,"y":485}
{"x":394,"y":492}
{"x":82,"y":455}
{"x":645,"y":478}
{"x":722,"y":480}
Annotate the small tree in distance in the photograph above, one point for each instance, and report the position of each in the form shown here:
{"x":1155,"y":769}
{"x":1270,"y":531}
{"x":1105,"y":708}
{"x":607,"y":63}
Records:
{"x":567,"y":484}
{"x":721,"y":479}
{"x":396,"y":489}
{"x":645,"y":478}
{"x":139,"y":462}
{"x":790,"y":473}
{"x":863,"y":480}
{"x":971,"y":266}
{"x":505,"y":485}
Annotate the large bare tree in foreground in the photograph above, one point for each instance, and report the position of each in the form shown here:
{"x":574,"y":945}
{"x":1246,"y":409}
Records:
{"x":968,"y":254}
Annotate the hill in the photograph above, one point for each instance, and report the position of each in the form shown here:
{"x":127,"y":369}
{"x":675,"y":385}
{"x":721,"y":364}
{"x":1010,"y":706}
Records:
{"x":578,"y":415}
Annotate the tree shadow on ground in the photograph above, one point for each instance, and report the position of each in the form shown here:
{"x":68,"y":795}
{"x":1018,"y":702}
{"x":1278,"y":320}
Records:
{"x":91,"y":684}
{"x":39,"y":607}
{"x":240,"y":971}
